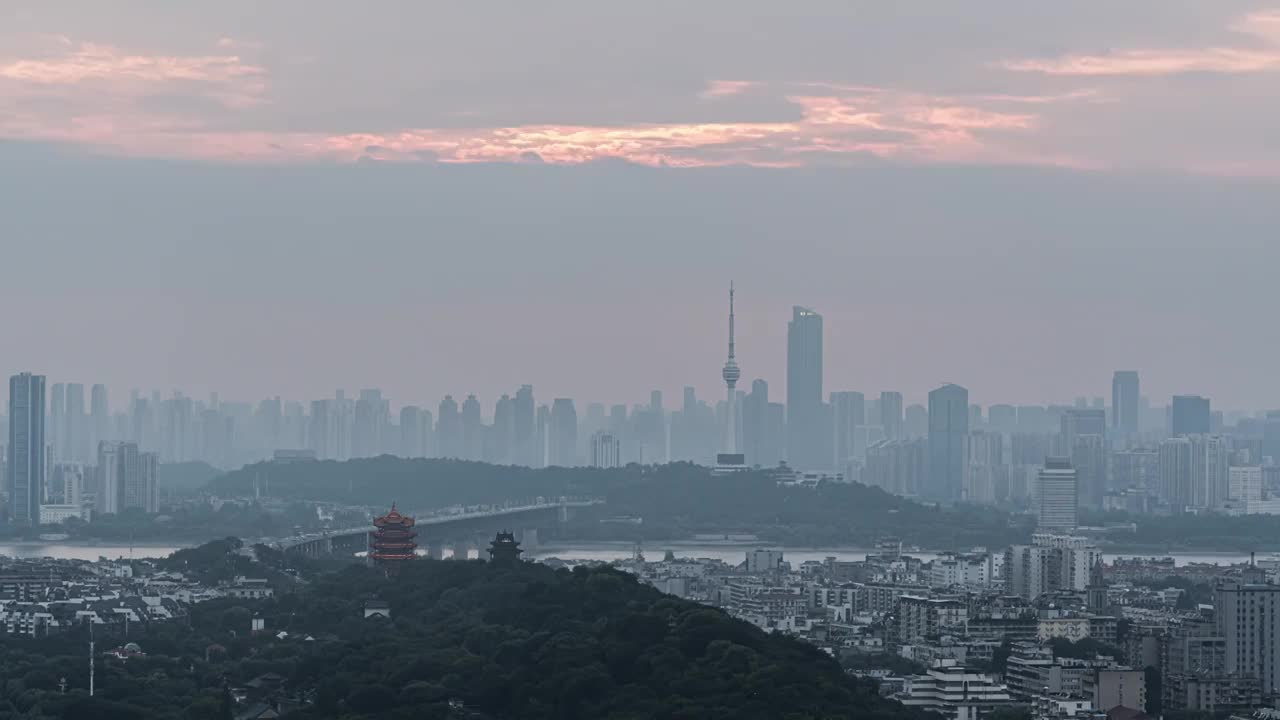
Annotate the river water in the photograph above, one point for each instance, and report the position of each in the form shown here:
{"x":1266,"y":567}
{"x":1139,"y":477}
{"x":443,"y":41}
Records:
{"x":602,"y":551}
{"x":735,"y":553}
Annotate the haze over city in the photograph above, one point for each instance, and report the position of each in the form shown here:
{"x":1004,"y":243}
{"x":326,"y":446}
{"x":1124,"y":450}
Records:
{"x":287,"y":200}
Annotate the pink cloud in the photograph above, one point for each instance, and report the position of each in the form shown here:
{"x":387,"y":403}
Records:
{"x":1260,"y":52}
{"x":90,"y":66}
{"x":726,"y":88}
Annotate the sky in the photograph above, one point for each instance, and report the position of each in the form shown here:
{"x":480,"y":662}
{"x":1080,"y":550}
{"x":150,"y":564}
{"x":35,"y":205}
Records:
{"x":291,"y":197}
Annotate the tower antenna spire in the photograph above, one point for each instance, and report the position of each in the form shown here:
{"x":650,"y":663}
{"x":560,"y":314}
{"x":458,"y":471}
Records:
{"x":731,"y":372}
{"x":730,"y":319}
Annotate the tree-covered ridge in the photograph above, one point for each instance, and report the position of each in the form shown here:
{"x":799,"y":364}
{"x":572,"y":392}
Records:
{"x":465,"y":639}
{"x":676,"y":500}
{"x":530,"y":642}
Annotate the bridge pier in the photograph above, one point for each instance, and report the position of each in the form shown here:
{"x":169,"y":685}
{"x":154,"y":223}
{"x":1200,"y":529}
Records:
{"x":529,"y":539}
{"x":435,"y":551}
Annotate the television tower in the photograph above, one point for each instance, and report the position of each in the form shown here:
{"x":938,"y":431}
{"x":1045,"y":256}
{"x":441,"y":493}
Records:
{"x":731,"y":373}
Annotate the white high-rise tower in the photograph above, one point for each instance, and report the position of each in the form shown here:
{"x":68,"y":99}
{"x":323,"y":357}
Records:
{"x":730,"y":458}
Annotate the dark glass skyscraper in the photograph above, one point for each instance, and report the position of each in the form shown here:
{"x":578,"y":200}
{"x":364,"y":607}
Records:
{"x":26,"y":469}
{"x":948,"y":441}
{"x":1190,"y":415}
{"x":1124,"y":401}
{"x":807,"y":439}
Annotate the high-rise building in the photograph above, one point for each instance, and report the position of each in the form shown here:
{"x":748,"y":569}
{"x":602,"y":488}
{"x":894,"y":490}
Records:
{"x":1051,"y":563}
{"x":1245,"y":483}
{"x":57,"y":421}
{"x":1124,"y":401}
{"x":66,"y":484}
{"x":100,"y":416}
{"x":915,"y":422}
{"x":138,"y":479}
{"x":1190,"y":415}
{"x":1175,"y":472}
{"x":542,"y":431}
{"x":77,"y":444}
{"x":1002,"y":418}
{"x":412,"y":437}
{"x":1089,"y":457}
{"x":369,"y":424}
{"x":984,"y":460}
{"x":1248,"y":616}
{"x":948,"y":441}
{"x":126,"y":479}
{"x":503,"y":432}
{"x":1057,"y":490}
{"x":891,"y":414}
{"x":449,"y":429}
{"x":606,"y":450}
{"x":472,"y":442}
{"x":806,"y":437}
{"x":562,"y":434}
{"x":1080,"y":421}
{"x":848,"y":413}
{"x":897,"y":466}
{"x":523,"y":435}
{"x":27,"y":448}
{"x":107,"y":481}
{"x":1210,"y":479}
{"x":1135,"y":470}
{"x":753,"y":414}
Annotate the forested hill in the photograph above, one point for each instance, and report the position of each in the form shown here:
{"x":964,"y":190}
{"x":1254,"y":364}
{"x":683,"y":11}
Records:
{"x":490,"y":641}
{"x":675,"y":501}
{"x":529,"y":642}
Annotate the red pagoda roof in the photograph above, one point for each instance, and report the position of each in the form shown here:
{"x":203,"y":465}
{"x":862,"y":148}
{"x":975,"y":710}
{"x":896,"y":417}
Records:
{"x":393,"y":518}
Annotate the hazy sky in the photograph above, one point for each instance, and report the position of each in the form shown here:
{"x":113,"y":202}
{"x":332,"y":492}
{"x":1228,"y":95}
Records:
{"x":287,"y":197}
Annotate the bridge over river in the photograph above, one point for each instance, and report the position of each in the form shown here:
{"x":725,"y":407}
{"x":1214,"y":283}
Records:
{"x":456,"y":528}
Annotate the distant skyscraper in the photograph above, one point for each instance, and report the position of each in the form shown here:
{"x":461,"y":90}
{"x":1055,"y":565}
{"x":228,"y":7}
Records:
{"x":449,"y":429}
{"x":66,"y":484}
{"x":523,"y":431}
{"x":806,"y":436}
{"x":503,"y":431}
{"x":1057,"y":490}
{"x":1002,"y":418}
{"x":57,"y":421}
{"x":138,"y":479}
{"x":100,"y":416}
{"x":848,"y":414}
{"x":471,"y":429}
{"x":891,"y":414}
{"x":107,"y":482}
{"x":1190,"y":415}
{"x":562,"y":440}
{"x":27,"y":449}
{"x":1175,"y":472}
{"x":1080,"y":421}
{"x":730,"y":454}
{"x":1089,"y":458}
{"x":1245,"y":483}
{"x":948,"y":441}
{"x":915,"y":422}
{"x":754,"y":406}
{"x":606,"y":450}
{"x":411,"y":435}
{"x":1124,"y":401}
{"x":77,"y":444}
{"x":369,"y":424}
{"x":1210,"y":483}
